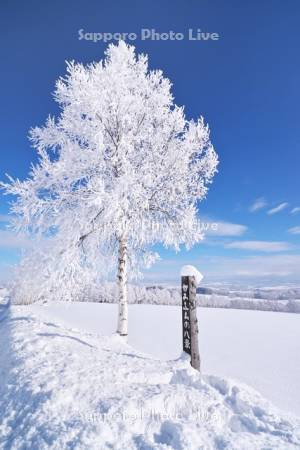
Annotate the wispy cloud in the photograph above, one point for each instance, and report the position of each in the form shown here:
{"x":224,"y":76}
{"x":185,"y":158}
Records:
{"x":258,"y":204}
{"x":273,"y":268}
{"x":262,"y":246}
{"x":4,"y":218}
{"x":294,"y":230}
{"x":295,"y":210}
{"x":8,"y":239}
{"x":278,"y":208}
{"x":227,"y":229}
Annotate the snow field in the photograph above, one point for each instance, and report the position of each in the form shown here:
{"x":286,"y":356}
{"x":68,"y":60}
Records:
{"x":65,"y":388}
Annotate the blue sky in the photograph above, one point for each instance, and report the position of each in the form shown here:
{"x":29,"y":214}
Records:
{"x":246,"y":85}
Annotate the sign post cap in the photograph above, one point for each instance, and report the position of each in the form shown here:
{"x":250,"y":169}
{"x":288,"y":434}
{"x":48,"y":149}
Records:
{"x":191,"y":271}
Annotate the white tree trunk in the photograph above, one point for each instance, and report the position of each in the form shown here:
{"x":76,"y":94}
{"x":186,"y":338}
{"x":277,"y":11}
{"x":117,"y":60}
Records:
{"x":122,"y":285}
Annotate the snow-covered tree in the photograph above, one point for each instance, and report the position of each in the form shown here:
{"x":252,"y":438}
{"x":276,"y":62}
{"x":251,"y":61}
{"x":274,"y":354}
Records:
{"x":48,"y":272}
{"x":120,"y":169}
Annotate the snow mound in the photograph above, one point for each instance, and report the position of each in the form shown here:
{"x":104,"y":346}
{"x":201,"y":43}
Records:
{"x":191,"y":271}
{"x":66,"y":389}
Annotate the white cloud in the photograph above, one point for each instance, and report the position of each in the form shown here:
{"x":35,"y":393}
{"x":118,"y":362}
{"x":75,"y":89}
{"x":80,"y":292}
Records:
{"x":278,"y":208}
{"x":227,"y":229}
{"x":262,"y":246}
{"x":295,"y":210}
{"x":253,"y":269}
{"x":272,"y":267}
{"x":8,"y":239}
{"x":294,"y":230}
{"x":258,"y":204}
{"x":4,"y":218}
{"x":6,"y":272}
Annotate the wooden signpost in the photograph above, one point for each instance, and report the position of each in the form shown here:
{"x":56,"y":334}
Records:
{"x":189,"y":320}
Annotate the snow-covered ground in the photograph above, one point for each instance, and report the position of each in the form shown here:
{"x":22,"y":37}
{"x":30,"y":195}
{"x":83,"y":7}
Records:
{"x":259,"y":348}
{"x":65,"y":385}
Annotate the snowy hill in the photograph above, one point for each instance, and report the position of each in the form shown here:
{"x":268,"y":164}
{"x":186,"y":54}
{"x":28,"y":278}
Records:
{"x":221,"y":295}
{"x":277,"y":299}
{"x":64,"y":388}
